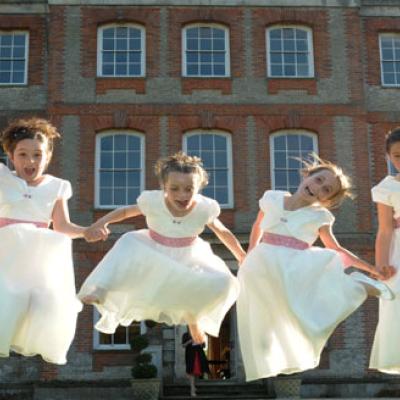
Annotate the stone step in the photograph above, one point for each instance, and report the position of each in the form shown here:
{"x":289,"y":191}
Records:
{"x":218,"y":390}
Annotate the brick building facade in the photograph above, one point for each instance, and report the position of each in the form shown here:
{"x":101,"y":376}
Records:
{"x":316,"y":71}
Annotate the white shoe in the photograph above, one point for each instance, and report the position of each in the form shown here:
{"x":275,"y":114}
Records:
{"x":384,"y":292}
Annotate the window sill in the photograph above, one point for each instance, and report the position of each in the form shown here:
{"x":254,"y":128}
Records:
{"x":104,"y":84}
{"x":276,"y":85}
{"x":189,"y":85}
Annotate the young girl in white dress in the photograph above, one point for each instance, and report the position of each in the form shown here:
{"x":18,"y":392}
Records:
{"x":293,"y":295}
{"x":385,"y":354}
{"x":166,"y":273}
{"x":38,"y":304}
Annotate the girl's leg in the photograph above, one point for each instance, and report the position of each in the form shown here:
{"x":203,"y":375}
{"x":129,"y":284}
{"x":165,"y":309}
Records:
{"x":192,"y":385}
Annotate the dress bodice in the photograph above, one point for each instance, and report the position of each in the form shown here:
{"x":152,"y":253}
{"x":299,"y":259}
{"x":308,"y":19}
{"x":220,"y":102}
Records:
{"x":158,"y":217}
{"x":303,"y":223}
{"x":18,"y":200}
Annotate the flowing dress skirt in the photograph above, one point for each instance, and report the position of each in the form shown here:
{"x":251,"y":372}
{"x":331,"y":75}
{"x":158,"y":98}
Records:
{"x":290,"y":303}
{"x":141,"y":279}
{"x":38,"y":304}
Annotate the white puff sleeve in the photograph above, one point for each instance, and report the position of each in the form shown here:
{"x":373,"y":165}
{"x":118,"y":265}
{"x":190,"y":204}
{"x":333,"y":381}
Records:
{"x":146,"y":200}
{"x":65,"y":191}
{"x":382,"y":194}
{"x":213,"y":210}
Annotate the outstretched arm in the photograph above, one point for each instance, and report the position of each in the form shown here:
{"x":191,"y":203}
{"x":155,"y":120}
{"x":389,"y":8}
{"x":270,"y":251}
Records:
{"x":228,"y":239}
{"x":329,"y":240}
{"x":62,"y":223}
{"x":119,"y":214}
{"x":384,"y":239}
{"x":256,"y":231}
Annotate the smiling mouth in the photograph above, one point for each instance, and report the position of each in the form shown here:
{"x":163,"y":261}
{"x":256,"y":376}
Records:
{"x":309,"y":191}
{"x":29,"y":171}
{"x":183,"y":204}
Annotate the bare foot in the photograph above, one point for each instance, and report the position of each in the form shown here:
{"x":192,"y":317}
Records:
{"x":90,"y":299}
{"x":96,"y":297}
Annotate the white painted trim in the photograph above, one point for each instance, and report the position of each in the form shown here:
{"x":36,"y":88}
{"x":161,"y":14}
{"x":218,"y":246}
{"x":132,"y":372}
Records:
{"x":310,"y":51}
{"x":383,"y":35}
{"x":27,"y":42}
{"x":142,"y":30}
{"x":287,"y":132}
{"x":227,"y":53}
{"x":96,"y":336}
{"x":112,"y":132}
{"x":229,"y":155}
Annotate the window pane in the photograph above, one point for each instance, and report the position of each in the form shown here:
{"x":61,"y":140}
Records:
{"x":106,"y":196}
{"x":120,"y":160}
{"x":120,"y":197}
{"x":106,"y":160}
{"x":134,"y":159}
{"x":219,"y":70}
{"x":106,"y":179}
{"x":193,"y":142}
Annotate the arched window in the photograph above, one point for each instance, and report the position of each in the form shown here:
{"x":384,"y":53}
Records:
{"x":289,"y":52}
{"x":121,"y":51}
{"x":119,"y":168}
{"x":286,"y":147}
{"x":14,"y":57}
{"x":205,"y":51}
{"x":215,"y":149}
{"x":390,"y":58}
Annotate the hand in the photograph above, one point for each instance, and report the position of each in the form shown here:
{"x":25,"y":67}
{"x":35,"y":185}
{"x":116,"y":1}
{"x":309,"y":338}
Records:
{"x":387,"y":271}
{"x":95,"y":233}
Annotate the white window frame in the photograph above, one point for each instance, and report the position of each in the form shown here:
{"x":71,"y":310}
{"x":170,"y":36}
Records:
{"x":227,"y":51}
{"x":287,"y":132}
{"x":310,"y":51}
{"x":381,"y":36}
{"x":228,"y":137}
{"x":26,"y":55}
{"x":100,"y":31}
{"x":96,"y":336}
{"x":112,"y":132}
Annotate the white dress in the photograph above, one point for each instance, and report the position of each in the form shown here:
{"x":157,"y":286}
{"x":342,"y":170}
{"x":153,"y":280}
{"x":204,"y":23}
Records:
{"x":144,"y":279}
{"x":38,"y":304}
{"x":385,"y":354}
{"x":291,"y":300}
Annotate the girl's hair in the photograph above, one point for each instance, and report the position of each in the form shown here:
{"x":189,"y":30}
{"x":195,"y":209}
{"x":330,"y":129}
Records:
{"x":392,"y":137}
{"x":180,"y":162}
{"x":32,"y":128}
{"x":317,"y":165}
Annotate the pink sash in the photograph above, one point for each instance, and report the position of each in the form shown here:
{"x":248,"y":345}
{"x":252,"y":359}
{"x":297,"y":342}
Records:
{"x":171,"y":242}
{"x":9,"y":221}
{"x":283,"y":240}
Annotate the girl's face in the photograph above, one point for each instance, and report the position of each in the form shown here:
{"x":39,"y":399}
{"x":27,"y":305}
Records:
{"x":30,"y":159}
{"x":180,"y":189}
{"x":394,"y":155}
{"x":319,"y":187}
